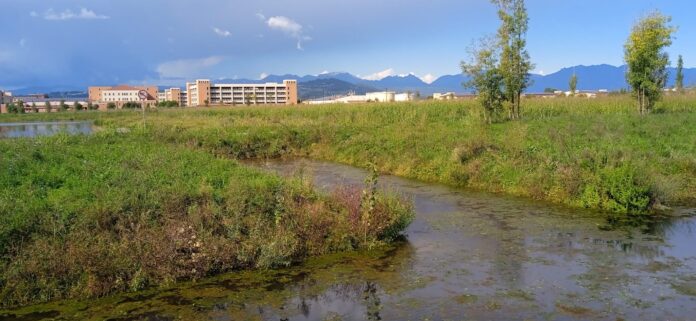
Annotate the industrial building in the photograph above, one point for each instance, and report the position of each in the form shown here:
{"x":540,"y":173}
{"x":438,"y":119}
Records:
{"x":382,"y":96}
{"x":202,"y":93}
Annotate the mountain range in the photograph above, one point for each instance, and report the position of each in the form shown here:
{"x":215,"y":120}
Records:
{"x":594,"y":77}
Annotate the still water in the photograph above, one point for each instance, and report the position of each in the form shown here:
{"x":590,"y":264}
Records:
{"x":13,"y":130}
{"x":467,"y":256}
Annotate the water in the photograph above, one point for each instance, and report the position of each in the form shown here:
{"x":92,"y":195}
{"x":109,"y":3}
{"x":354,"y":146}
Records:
{"x":13,"y":130}
{"x":468,"y":256}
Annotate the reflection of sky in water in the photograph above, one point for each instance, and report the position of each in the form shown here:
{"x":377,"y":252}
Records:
{"x":15,"y":130}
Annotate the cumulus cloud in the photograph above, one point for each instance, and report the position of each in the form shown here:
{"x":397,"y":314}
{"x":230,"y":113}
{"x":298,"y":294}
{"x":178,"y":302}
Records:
{"x":380,"y":75}
{"x":428,"y":79}
{"x":221,"y":32}
{"x":263,"y":75}
{"x":287,"y":26}
{"x":68,"y":14}
{"x":185,"y":68}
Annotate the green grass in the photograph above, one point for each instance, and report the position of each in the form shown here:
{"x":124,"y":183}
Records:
{"x":591,"y":153}
{"x":87,"y":216}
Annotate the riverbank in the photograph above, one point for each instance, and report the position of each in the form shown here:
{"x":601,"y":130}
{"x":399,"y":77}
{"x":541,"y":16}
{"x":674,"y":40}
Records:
{"x":584,"y":153}
{"x":89,"y":216}
{"x":486,"y":256}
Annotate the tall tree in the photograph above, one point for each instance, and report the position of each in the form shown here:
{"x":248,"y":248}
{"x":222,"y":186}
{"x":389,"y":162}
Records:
{"x":485,"y":78}
{"x":647,"y":59}
{"x":679,"y":84}
{"x":515,"y":63}
{"x":47,"y":105}
{"x":573,"y":84}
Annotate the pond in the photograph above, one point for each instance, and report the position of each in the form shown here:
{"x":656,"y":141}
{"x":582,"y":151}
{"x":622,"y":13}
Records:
{"x":29,"y":129}
{"x":472,"y":256}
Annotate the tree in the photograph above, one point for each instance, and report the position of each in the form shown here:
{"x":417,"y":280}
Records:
{"x":47,"y":105}
{"x":20,"y":107}
{"x":90,"y":106}
{"x":647,"y":60}
{"x":63,"y":106}
{"x":486,"y":79}
{"x":573,"y":84}
{"x":679,"y":84}
{"x":111,"y":106}
{"x":77,"y":106}
{"x":12,"y":108}
{"x":34,"y":109}
{"x":206,"y":102}
{"x":515,"y":63}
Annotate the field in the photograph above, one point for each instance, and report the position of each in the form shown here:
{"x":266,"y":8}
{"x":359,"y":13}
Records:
{"x":177,"y":178}
{"x":592,"y":153}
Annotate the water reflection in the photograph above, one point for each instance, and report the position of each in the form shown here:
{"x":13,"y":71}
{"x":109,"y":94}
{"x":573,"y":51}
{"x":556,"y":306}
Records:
{"x":14,"y":130}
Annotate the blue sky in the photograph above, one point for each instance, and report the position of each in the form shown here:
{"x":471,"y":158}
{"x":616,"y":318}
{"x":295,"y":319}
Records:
{"x":62,"y":42}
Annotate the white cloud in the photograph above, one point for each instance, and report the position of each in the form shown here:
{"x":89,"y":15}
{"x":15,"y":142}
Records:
{"x":287,"y":26}
{"x":221,"y":33}
{"x":68,"y":14}
{"x":325,"y":72}
{"x":263,"y":75}
{"x":185,"y":68}
{"x":380,"y":75}
{"x":428,"y":79}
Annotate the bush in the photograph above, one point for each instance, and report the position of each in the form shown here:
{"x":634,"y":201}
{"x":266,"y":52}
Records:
{"x":157,"y":213}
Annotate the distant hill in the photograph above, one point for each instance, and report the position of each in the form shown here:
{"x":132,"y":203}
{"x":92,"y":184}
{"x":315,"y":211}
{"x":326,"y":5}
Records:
{"x":313,"y":86}
{"x":320,"y":88}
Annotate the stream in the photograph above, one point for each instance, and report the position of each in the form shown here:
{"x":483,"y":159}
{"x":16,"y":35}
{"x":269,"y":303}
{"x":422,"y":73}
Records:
{"x":467,"y":256}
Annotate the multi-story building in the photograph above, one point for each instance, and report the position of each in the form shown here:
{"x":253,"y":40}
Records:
{"x":123,"y":94}
{"x":202,"y":92}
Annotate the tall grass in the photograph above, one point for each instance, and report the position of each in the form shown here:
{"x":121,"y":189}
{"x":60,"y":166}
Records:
{"x":594,"y":153}
{"x":86,"y":216}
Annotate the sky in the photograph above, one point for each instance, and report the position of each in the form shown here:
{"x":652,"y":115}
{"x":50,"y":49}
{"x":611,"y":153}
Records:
{"x":166,"y":42}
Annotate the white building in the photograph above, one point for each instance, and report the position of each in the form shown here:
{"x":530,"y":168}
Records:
{"x":410,"y":96}
{"x":444,"y":96}
{"x":382,"y":96}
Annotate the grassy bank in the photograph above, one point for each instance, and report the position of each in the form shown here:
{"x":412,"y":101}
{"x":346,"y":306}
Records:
{"x":593,"y":153}
{"x":89,"y":216}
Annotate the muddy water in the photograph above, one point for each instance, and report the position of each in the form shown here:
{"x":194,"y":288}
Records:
{"x":34,"y":129}
{"x":467,"y":256}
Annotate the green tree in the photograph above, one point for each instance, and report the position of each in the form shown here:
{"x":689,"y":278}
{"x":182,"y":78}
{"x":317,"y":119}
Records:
{"x":12,"y":108}
{"x":515,"y":63}
{"x":486,"y":79}
{"x":77,"y":106}
{"x":34,"y":109}
{"x":647,"y":59}
{"x":63,"y":106}
{"x":90,"y":106}
{"x":48,"y":106}
{"x":111,"y":106}
{"x":679,"y":84}
{"x":20,"y":107}
{"x":573,"y":84}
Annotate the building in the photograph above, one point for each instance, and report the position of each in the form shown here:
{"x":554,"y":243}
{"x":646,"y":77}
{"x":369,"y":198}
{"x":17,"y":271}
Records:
{"x":203,"y":93}
{"x":444,"y":96}
{"x":382,"y":96}
{"x":123,"y":94}
{"x":174,"y":94}
{"x":409,"y":96}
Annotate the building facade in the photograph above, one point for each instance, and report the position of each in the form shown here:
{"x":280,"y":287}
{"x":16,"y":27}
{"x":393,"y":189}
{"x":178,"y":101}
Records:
{"x":122,"y":94}
{"x":202,"y":93}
